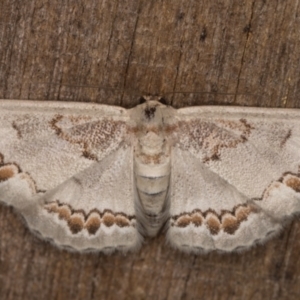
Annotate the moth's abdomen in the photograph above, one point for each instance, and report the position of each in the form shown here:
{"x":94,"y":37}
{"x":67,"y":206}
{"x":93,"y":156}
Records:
{"x":152,"y":192}
{"x":152,"y":183}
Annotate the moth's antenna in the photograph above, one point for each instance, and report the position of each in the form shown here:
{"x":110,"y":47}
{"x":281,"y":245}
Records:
{"x":121,"y":90}
{"x":205,"y":93}
{"x":82,"y":86}
{"x":217,"y":93}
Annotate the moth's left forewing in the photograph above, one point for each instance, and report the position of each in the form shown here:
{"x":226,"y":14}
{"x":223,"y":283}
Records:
{"x":52,"y":141}
{"x":240,"y":167}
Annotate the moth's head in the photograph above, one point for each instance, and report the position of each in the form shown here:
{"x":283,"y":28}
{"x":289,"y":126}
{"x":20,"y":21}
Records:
{"x":150,"y":105}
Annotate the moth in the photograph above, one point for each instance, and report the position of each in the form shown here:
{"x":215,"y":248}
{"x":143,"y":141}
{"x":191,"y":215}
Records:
{"x":93,"y":177}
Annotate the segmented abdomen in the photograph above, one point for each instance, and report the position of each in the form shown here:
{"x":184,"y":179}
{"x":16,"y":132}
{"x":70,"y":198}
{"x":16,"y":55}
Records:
{"x":152,"y":182}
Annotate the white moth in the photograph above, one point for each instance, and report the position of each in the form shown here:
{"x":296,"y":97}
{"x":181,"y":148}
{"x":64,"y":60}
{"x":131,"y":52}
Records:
{"x":96,"y":177}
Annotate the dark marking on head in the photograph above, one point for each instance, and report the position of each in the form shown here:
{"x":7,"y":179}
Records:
{"x":150,"y":112}
{"x":203,"y":34}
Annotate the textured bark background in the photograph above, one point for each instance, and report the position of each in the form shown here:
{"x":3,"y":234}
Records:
{"x":226,"y":52}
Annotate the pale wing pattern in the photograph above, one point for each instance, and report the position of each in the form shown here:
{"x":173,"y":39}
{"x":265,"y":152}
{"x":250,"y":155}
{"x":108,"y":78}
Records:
{"x":63,"y":166}
{"x":241,"y":169}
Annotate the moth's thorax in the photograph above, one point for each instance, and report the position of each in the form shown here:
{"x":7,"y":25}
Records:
{"x":152,"y":155}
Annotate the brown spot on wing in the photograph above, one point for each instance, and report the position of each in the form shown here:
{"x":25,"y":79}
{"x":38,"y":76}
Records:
{"x":183,"y":221}
{"x":242,"y":212}
{"x":212,"y":223}
{"x":64,"y":212}
{"x":108,"y":219}
{"x":229,"y":221}
{"x":52,"y":207}
{"x":93,"y":223}
{"x":289,"y":179}
{"x":8,"y":171}
{"x":197,"y":218}
{"x":77,"y":220}
{"x":121,"y":221}
{"x":292,"y":182}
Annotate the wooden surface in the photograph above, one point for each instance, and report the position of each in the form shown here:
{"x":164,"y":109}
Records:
{"x":192,"y":52}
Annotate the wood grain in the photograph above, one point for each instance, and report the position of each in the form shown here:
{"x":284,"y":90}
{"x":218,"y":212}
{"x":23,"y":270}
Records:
{"x":192,"y":52}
